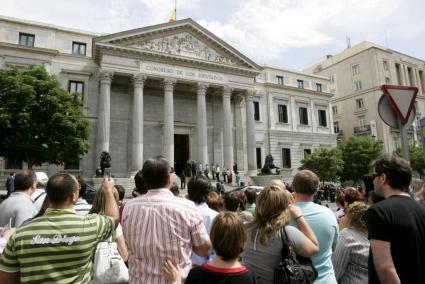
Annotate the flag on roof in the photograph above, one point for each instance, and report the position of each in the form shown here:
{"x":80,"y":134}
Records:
{"x":173,"y":16}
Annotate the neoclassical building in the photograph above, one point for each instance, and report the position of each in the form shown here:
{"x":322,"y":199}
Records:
{"x":175,"y":89}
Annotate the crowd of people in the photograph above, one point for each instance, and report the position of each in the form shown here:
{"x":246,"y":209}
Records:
{"x":51,"y":234}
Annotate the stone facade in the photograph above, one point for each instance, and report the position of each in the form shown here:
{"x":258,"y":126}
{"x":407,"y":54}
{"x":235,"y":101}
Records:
{"x":356,"y":75}
{"x":178,"y":90}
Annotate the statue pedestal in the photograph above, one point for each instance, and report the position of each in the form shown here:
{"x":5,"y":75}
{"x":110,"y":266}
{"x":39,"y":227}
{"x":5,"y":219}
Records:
{"x":264,"y":180}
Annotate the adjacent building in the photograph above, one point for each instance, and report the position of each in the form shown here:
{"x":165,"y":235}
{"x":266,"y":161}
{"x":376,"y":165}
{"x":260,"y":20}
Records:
{"x":356,"y":75}
{"x":175,"y":89}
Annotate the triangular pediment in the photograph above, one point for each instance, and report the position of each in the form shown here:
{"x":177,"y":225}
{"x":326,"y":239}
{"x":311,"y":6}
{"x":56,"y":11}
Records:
{"x":183,"y":39}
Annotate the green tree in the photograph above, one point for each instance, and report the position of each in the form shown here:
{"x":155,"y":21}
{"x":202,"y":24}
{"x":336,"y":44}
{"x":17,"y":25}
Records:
{"x":326,"y":163}
{"x":358,"y":153}
{"x":40,"y":122}
{"x":416,"y":157}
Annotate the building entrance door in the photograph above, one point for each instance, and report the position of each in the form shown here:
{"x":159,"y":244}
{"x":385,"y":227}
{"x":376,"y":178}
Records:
{"x":181,"y":152}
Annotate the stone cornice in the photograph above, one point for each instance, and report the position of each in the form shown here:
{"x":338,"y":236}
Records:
{"x":290,"y":88}
{"x":39,"y":50}
{"x":77,"y":72}
{"x":167,"y":58}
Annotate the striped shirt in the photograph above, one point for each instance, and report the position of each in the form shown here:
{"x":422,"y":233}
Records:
{"x":157,"y":226}
{"x":81,"y":207}
{"x":57,"y":247}
{"x":351,"y":256}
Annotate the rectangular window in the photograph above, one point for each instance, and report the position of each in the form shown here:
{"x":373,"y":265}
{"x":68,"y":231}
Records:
{"x":307,"y":152}
{"x":72,"y":166}
{"x":279,"y":80}
{"x":257,"y":111}
{"x":359,"y":103}
{"x":397,"y":70}
{"x":79,"y":48}
{"x":259,"y":161}
{"x":421,"y":80}
{"x":286,"y":158}
{"x":385,"y":63}
{"x":362,"y":122}
{"x":283,"y":113}
{"x":318,"y":87}
{"x":303,"y":115}
{"x":26,"y":39}
{"x":76,"y":87}
{"x":12,"y":164}
{"x":335,"y":110}
{"x":387,"y":80}
{"x":336,"y":127}
{"x":356,"y":69}
{"x":322,"y":118}
{"x":410,"y":76}
{"x":300,"y":84}
{"x":357,"y":85}
{"x":332,"y":79}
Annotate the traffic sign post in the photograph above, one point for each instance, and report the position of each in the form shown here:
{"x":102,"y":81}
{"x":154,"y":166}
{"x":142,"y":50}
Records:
{"x":401,"y":113}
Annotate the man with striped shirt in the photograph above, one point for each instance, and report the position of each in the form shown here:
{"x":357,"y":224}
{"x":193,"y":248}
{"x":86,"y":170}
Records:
{"x":159,"y":226}
{"x":59,"y":246}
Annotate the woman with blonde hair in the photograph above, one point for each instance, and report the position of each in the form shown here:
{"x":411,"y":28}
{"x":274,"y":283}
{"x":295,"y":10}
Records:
{"x":264,"y":243}
{"x":350,"y":258}
{"x":99,"y":207}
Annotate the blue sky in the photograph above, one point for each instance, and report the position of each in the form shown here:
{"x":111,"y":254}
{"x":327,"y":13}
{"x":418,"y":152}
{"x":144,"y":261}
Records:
{"x":283,"y":33}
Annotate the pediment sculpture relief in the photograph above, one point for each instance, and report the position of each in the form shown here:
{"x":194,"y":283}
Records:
{"x":185,"y":45}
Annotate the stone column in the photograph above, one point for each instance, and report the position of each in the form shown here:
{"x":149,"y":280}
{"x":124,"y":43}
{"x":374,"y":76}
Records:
{"x":331,"y":119}
{"x":168,"y":144}
{"x":227,"y":128}
{"x":402,"y":75}
{"x":202,"y":123}
{"x":313,"y":116}
{"x":294,"y":114}
{"x":418,"y":81}
{"x":250,"y":133}
{"x":137,"y":126}
{"x":104,"y":112}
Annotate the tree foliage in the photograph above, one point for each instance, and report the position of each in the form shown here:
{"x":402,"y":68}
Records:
{"x":326,"y":163}
{"x":40,"y":122}
{"x":416,"y":157}
{"x":358,"y":153}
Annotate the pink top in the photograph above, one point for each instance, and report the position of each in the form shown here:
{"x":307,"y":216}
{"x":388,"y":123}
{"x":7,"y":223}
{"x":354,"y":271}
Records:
{"x":157,"y":226}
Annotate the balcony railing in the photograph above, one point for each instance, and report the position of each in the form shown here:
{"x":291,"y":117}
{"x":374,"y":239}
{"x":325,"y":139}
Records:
{"x":362,"y":129}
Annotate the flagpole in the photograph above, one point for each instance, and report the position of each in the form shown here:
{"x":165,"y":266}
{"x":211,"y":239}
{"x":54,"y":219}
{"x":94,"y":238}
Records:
{"x":175,"y":8}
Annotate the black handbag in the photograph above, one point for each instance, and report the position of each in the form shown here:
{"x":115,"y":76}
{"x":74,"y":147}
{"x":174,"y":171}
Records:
{"x":292,"y":267}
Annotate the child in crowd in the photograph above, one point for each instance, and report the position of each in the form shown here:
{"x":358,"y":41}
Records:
{"x":228,"y":239}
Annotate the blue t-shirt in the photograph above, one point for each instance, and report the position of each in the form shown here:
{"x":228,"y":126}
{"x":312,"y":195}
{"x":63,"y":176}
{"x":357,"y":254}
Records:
{"x":323,"y":223}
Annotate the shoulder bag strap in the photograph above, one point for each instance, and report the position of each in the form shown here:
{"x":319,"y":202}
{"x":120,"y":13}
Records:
{"x":40,"y":195}
{"x":291,"y":251}
{"x":285,"y":243}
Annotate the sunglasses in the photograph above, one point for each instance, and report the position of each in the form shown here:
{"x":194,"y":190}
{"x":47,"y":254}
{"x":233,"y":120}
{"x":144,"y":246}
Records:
{"x":375,"y":175}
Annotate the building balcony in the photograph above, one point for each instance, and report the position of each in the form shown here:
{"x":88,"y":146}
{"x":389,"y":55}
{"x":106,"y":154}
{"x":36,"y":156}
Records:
{"x":362,"y":130}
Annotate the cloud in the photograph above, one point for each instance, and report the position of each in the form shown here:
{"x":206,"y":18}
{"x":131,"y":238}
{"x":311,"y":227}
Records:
{"x":266,"y":30}
{"x":278,"y":32}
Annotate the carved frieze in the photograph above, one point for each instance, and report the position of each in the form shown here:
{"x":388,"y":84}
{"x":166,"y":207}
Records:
{"x":184,"y":44}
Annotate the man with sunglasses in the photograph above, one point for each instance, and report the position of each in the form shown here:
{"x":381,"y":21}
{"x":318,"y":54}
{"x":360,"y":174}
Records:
{"x":396,"y":227}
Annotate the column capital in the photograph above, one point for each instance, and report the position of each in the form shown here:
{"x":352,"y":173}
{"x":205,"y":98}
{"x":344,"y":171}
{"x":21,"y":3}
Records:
{"x":238,"y":99}
{"x":201,"y":88}
{"x":138,"y":80}
{"x":250,"y":94}
{"x":169,"y":84}
{"x":106,"y":77}
{"x":227,"y":91}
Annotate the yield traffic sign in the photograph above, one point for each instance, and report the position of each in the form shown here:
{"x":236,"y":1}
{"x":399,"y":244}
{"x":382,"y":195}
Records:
{"x":402,"y":100}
